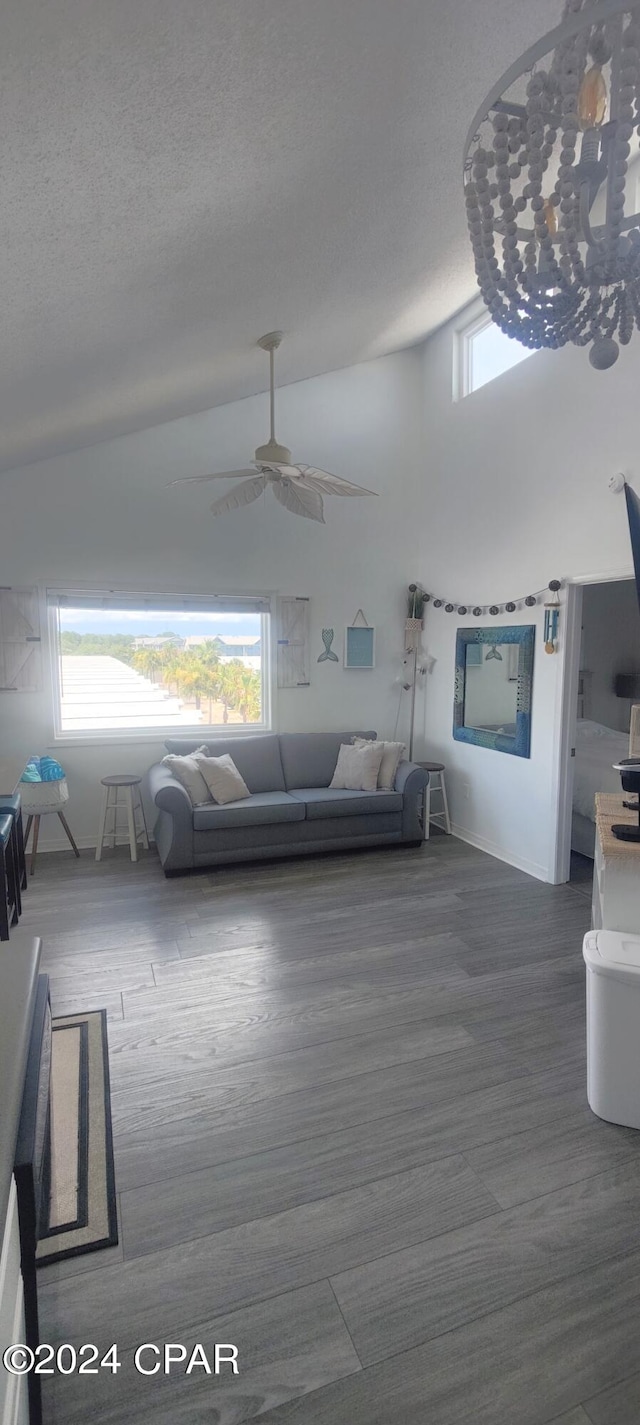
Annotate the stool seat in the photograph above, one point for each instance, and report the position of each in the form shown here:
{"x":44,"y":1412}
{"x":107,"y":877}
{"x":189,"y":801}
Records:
{"x":432,"y":766}
{"x":121,"y":779}
{"x":6,"y":827}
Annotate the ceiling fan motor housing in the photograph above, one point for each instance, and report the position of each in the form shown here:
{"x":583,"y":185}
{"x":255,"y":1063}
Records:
{"x":272,"y":454}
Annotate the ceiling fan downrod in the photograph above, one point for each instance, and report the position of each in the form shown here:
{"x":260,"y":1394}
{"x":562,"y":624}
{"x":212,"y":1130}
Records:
{"x":272,"y":452}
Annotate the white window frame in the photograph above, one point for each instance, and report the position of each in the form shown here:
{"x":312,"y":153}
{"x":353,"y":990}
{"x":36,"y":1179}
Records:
{"x":154,"y":735}
{"x":474,"y":320}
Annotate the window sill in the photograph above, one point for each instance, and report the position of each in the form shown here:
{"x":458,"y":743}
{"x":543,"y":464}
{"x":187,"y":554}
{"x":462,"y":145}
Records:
{"x":142,"y":736}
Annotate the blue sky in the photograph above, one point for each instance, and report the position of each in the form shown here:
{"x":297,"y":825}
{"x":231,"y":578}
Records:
{"x":139,"y":622}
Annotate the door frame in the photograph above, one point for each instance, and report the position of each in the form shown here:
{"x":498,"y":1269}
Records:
{"x":566,"y":713}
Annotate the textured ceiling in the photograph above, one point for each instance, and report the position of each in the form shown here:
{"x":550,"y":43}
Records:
{"x":179,"y":176}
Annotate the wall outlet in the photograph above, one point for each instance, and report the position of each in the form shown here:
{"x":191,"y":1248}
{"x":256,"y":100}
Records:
{"x":466,"y":791}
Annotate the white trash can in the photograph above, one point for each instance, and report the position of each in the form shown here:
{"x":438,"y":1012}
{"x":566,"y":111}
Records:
{"x":612,"y":959}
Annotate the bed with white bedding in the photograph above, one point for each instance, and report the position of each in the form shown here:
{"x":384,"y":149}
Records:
{"x":597,"y":748}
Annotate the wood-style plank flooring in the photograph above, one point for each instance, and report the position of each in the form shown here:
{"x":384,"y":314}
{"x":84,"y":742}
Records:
{"x":352,"y":1139}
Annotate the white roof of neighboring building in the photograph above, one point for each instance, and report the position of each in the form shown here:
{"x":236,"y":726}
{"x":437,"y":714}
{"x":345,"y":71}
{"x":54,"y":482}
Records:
{"x":246,"y":659}
{"x":98,"y":691}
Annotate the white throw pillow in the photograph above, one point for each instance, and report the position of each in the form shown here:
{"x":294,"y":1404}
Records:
{"x":188,"y":773}
{"x":357,"y":767}
{"x":392,"y":752}
{"x":222,"y":778}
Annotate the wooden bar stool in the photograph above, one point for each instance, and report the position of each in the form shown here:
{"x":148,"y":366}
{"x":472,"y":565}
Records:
{"x":12,"y":806}
{"x":9,"y":878}
{"x":436,"y":784}
{"x":131,"y":803}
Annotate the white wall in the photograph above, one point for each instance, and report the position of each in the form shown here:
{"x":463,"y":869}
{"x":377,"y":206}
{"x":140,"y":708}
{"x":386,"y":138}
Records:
{"x":610,"y":645}
{"x":103,"y":517}
{"x":516,"y":494}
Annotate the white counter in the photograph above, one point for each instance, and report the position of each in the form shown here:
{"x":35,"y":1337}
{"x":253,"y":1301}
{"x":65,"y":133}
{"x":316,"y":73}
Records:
{"x":616,"y":869}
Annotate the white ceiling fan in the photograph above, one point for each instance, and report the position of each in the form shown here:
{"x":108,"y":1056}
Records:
{"x":298,"y":487}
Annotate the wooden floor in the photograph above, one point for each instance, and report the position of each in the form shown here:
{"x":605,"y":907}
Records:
{"x":351,"y":1139}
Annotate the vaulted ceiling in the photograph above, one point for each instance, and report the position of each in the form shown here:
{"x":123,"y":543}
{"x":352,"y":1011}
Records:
{"x":179,"y":176}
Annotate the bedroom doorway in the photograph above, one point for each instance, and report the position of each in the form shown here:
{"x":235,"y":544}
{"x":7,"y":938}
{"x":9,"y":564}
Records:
{"x":607,"y":684}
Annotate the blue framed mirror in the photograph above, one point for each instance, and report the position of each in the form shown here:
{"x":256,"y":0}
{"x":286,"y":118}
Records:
{"x":493,"y":687}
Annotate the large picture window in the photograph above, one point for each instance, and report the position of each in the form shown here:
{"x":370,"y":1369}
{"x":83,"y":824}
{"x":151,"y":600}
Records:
{"x":128,"y":664}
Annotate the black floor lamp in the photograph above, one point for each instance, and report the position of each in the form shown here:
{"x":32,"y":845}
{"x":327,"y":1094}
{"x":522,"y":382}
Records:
{"x":416,"y":662}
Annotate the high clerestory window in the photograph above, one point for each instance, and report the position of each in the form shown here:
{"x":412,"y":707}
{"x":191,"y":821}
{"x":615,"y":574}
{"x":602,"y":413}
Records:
{"x":484,"y":352}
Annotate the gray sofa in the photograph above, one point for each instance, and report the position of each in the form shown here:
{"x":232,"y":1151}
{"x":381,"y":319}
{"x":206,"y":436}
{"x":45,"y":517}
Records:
{"x":292,"y":809}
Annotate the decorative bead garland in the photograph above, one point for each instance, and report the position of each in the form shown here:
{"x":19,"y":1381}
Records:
{"x":529,"y":602}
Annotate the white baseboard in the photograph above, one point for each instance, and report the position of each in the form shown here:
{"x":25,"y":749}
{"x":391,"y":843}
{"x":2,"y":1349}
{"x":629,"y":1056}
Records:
{"x":482,"y":843}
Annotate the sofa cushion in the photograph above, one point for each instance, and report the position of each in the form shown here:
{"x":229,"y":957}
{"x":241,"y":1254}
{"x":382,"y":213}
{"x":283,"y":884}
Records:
{"x":309,"y":758}
{"x":188,"y":773}
{"x":357,"y":767}
{"x":261,"y":809}
{"x":222,"y":778}
{"x":391,"y":754}
{"x":257,"y":758}
{"x":322,"y":802}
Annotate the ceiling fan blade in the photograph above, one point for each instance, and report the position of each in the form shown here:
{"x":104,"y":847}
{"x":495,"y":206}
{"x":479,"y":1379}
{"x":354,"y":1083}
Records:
{"x":299,"y":501}
{"x":330,"y":484}
{"x":202,"y":479}
{"x":240,"y":495}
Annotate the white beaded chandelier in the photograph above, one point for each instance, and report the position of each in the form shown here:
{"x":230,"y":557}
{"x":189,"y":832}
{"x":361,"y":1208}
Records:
{"x":552,"y":185}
